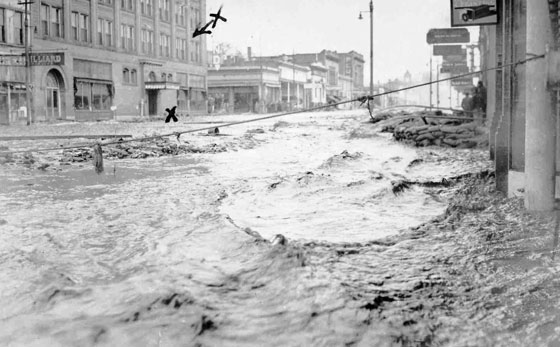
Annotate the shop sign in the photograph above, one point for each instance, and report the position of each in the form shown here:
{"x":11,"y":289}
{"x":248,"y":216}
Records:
{"x":474,"y":12}
{"x":40,"y":59}
{"x":12,"y":60}
{"x":448,"y":35}
{"x":454,"y":68}
{"x":462,"y":81}
{"x":37,"y":59}
{"x":448,"y":50}
{"x":456,"y":58}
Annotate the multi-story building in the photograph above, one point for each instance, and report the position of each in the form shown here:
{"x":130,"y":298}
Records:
{"x":97,"y":59}
{"x":352,"y":66}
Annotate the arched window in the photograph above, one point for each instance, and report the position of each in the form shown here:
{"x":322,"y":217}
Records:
{"x":133,"y":76}
{"x":163,"y":76}
{"x":152,"y":77}
{"x":126,"y":75}
{"x":52,"y":81}
{"x":170,"y":77}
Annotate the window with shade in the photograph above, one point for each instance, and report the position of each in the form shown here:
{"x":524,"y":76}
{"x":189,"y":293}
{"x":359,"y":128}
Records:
{"x":147,"y":7}
{"x":147,"y":41}
{"x":127,"y":5}
{"x":45,"y":15}
{"x":180,"y":15}
{"x":181,"y":49}
{"x":127,"y":37}
{"x":164,"y":41}
{"x":83,"y":26}
{"x":51,"y":21}
{"x":164,"y":10}
{"x":18,"y":28}
{"x":105,"y":32}
{"x":2,"y":25}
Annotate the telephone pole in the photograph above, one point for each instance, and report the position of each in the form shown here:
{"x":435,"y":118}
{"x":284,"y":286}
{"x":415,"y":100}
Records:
{"x":27,"y":61}
{"x":540,"y":125}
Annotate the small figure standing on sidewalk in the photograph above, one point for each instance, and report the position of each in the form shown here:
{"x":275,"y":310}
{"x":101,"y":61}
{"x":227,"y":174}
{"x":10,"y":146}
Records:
{"x":171,"y":114}
{"x":479,"y":102}
{"x":467,"y":105}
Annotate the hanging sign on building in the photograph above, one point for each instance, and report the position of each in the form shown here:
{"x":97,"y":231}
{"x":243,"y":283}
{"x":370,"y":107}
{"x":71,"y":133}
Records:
{"x":454,"y":68}
{"x":455,"y":58}
{"x":474,"y":12}
{"x":462,"y":81}
{"x":448,"y":35}
{"x":448,"y":50}
{"x":37,"y":59}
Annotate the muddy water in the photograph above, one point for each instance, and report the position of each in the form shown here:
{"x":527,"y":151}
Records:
{"x":176,"y":251}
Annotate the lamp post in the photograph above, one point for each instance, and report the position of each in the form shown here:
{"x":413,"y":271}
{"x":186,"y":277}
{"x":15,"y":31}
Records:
{"x":370,"y":49}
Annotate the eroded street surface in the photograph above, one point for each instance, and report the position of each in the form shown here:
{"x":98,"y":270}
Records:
{"x":182,"y":249}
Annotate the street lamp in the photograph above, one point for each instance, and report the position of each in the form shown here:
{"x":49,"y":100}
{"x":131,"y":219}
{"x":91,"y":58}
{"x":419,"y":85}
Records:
{"x":370,"y":49}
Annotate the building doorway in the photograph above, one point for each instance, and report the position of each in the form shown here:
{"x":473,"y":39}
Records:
{"x":53,"y":89}
{"x":152,"y":102}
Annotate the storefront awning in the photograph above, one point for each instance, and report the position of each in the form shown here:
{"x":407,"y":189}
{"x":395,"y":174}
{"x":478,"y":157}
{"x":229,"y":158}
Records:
{"x":333,"y":99}
{"x":162,"y":85}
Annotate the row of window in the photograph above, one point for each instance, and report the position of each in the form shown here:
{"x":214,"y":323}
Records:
{"x":52,"y":25}
{"x":51,"y":19}
{"x":147,"y":9}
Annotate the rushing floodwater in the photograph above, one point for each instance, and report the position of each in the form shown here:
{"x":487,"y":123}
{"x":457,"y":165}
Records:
{"x":161,"y":252}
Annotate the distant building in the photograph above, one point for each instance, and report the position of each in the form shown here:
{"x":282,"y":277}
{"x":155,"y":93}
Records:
{"x":305,"y":80}
{"x":352,"y":66}
{"x":96,"y":59}
{"x":260,"y":85}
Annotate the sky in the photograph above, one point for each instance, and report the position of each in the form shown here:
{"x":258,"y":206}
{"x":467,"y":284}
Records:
{"x":274,"y":27}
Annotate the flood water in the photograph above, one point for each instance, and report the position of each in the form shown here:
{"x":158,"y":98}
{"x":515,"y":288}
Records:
{"x":175,"y":251}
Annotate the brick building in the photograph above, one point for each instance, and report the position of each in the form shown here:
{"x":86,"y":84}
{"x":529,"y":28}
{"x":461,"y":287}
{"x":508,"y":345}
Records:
{"x":97,"y":59}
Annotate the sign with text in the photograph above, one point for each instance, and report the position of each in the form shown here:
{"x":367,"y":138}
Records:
{"x":474,"y":12}
{"x":462,"y":81}
{"x":454,"y":68}
{"x":448,"y":35}
{"x":448,"y":49}
{"x":455,"y":58}
{"x":37,"y":59}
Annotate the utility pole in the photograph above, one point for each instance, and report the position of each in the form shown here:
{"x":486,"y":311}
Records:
{"x":371,"y":53}
{"x":27,"y":61}
{"x":431,"y":78}
{"x":540,"y":124}
{"x":437,"y":85}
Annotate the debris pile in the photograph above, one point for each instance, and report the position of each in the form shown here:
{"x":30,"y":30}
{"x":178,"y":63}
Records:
{"x":430,"y":131}
{"x":138,"y":150}
{"x":461,"y":136}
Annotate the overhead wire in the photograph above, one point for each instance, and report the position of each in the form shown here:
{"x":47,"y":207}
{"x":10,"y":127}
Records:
{"x":362,"y":100}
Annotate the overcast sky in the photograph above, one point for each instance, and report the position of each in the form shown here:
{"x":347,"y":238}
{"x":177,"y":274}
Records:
{"x":274,"y":27}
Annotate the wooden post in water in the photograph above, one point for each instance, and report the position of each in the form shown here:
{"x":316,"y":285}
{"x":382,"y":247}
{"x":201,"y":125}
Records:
{"x":540,"y":126}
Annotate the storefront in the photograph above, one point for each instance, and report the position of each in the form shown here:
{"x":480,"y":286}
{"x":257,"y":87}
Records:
{"x":93,"y":90}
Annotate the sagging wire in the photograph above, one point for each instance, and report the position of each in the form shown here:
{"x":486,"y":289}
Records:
{"x":362,"y":100}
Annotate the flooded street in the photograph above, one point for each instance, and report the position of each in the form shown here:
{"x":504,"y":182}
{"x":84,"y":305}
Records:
{"x":177,"y":251}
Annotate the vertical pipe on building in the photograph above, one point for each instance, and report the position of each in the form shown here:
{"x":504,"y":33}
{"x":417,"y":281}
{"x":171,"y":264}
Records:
{"x":540,"y":126}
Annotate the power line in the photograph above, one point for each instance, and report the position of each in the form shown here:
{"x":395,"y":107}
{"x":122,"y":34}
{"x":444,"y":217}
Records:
{"x":363,"y":99}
